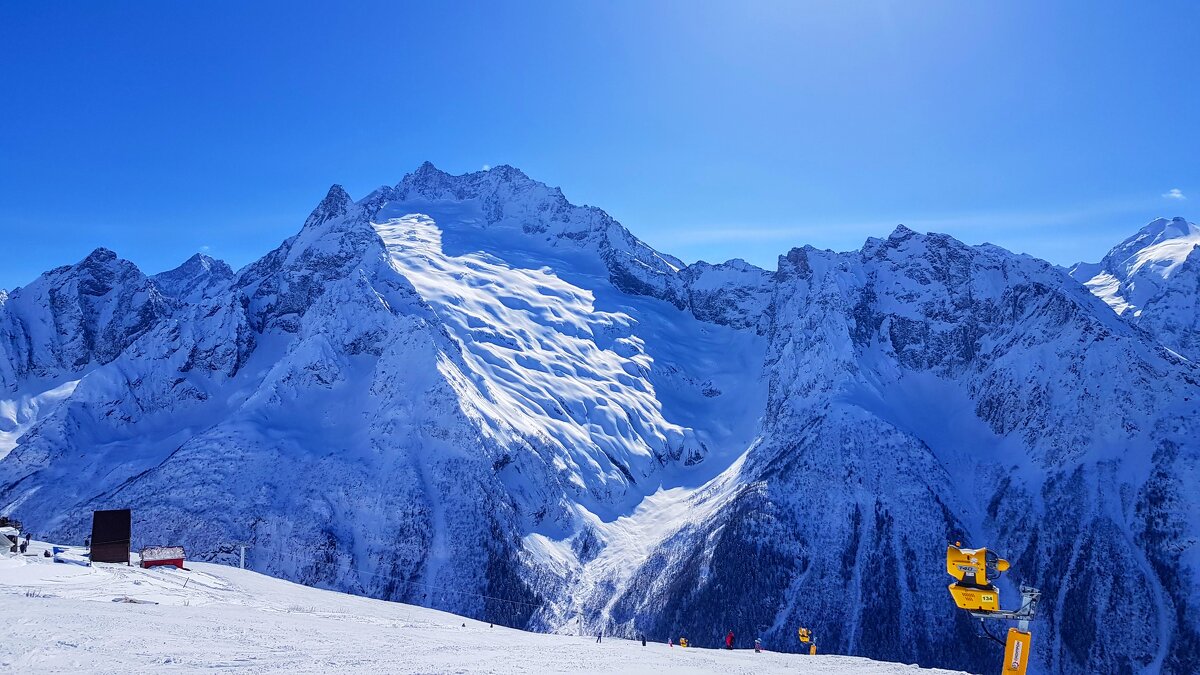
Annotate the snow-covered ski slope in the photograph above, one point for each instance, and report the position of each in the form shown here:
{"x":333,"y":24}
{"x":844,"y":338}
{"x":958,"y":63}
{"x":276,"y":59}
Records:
{"x":212,"y":618}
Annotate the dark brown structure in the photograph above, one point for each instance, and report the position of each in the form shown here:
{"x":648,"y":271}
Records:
{"x":110,"y":536}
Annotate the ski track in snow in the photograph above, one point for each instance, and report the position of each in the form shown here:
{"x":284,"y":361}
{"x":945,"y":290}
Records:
{"x":62,"y":618}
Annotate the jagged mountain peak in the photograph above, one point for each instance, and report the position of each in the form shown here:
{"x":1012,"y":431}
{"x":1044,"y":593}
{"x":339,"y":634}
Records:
{"x":100,"y":264}
{"x":337,"y":203}
{"x":901,"y":232}
{"x":76,"y":316}
{"x":194,"y":277}
{"x":1167,"y":228}
{"x":99,"y":255}
{"x":1151,"y":279}
{"x":734,"y":264}
{"x":1161,"y":239}
{"x":97,"y":273}
{"x":203,"y":261}
{"x":427,"y":171}
{"x":501,"y":182}
{"x":903,"y":237}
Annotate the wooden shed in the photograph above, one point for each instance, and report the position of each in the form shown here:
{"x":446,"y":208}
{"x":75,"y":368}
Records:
{"x":110,"y":536}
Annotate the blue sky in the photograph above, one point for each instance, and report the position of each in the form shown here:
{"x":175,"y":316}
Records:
{"x":710,"y":130}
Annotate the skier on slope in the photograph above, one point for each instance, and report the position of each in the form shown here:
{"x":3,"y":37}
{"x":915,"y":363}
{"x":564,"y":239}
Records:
{"x":729,"y":640}
{"x":599,"y":637}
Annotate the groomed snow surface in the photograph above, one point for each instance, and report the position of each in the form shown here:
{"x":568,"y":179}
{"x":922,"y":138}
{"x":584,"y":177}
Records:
{"x":63,"y":617}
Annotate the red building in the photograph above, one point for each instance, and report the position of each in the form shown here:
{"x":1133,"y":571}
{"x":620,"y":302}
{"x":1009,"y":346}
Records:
{"x":154,"y":556}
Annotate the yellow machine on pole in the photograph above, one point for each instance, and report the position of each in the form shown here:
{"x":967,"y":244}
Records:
{"x":807,"y":638}
{"x":975,"y":570}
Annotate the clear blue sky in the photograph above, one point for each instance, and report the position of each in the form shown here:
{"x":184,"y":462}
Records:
{"x":712,"y":131}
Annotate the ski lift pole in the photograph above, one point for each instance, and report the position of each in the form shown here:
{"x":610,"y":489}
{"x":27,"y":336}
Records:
{"x":242,"y":546}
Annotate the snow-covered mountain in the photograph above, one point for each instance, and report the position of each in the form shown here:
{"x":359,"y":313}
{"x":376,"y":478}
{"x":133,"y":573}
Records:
{"x":1152,"y":279}
{"x":466,"y":392}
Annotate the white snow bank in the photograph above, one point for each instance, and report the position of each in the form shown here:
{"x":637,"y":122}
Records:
{"x":213,"y":618}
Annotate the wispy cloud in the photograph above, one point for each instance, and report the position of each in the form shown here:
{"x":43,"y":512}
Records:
{"x":487,"y":167}
{"x":1174,"y":193}
{"x":205,"y":248}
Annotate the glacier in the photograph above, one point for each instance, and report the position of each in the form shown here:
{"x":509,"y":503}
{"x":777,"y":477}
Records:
{"x":1153,"y":280}
{"x":467,"y":393}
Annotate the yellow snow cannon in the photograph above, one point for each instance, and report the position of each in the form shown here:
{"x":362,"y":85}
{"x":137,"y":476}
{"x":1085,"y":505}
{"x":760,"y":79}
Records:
{"x":806,"y":638}
{"x":975,"y":569}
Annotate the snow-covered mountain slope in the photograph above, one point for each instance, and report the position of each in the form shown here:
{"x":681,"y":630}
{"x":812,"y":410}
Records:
{"x":213,"y":618}
{"x":419,"y":410}
{"x":1152,"y":279}
{"x":460,"y":389}
{"x":75,"y":317}
{"x":924,"y":391}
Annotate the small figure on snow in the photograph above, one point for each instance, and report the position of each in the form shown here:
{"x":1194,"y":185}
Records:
{"x":643,"y":636}
{"x":599,"y":637}
{"x":757,"y":646}
{"x":729,"y":640}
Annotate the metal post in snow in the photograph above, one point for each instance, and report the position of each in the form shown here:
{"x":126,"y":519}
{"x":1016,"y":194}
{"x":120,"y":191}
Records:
{"x":242,"y":555}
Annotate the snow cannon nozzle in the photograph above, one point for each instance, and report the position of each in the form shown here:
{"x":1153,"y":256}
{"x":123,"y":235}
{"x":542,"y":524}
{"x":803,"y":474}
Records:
{"x":977,"y":567}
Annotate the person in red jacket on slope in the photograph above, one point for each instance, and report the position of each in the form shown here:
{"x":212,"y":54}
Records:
{"x":729,"y":640}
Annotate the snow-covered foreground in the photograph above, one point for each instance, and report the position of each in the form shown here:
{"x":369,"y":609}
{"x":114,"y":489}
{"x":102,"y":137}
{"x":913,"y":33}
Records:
{"x":60,"y":617}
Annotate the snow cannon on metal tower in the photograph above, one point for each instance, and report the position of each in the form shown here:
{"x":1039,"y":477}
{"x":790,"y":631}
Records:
{"x":807,"y":639}
{"x":975,"y":571}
